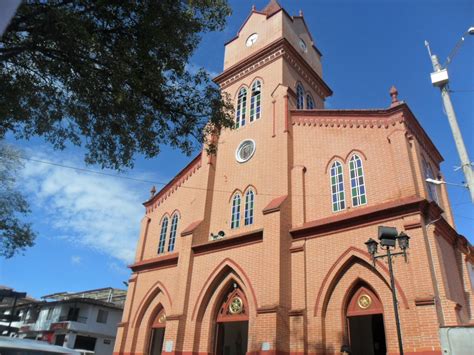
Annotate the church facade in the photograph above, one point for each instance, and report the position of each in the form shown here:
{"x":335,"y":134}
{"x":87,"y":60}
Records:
{"x":260,"y":247}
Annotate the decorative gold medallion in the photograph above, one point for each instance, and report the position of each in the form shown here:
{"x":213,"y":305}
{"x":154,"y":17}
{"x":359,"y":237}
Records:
{"x":162,"y":318}
{"x":235,"y":307}
{"x":364,"y":301}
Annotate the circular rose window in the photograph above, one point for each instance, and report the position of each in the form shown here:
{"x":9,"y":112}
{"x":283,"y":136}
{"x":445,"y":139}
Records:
{"x":245,"y":151}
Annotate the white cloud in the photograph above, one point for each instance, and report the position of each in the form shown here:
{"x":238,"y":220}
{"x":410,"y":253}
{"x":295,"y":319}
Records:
{"x":194,"y":68}
{"x":118,"y":268}
{"x":76,"y":260}
{"x":96,"y":211}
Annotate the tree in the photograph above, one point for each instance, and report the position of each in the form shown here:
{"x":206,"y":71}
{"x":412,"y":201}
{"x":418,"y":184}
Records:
{"x":111,"y":76}
{"x":15,"y":235}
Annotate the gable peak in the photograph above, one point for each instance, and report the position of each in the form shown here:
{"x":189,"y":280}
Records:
{"x":272,"y":7}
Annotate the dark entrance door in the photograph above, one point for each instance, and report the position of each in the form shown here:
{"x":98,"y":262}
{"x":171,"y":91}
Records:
{"x":365,"y":323}
{"x":157,"y":341}
{"x":157,"y":338}
{"x":367,"y":335}
{"x":232,"y":323}
{"x":232,"y":338}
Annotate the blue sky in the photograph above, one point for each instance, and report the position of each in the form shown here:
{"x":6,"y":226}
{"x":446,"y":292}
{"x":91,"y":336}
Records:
{"x":88,"y":224}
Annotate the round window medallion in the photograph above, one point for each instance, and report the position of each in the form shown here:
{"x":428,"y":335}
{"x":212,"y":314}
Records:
{"x":236,"y":306}
{"x":245,"y":151}
{"x":364,"y":301}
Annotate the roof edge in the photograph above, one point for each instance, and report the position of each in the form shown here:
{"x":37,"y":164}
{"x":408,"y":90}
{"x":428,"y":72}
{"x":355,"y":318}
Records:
{"x":174,"y":180}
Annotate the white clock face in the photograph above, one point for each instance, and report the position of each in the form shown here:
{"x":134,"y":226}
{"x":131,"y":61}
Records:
{"x":251,"y":40}
{"x":303,"y":46}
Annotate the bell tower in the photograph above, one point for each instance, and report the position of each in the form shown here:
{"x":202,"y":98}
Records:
{"x":271,"y":34}
{"x":271,"y":67}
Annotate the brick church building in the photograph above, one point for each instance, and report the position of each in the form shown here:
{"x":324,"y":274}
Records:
{"x":260,"y":248}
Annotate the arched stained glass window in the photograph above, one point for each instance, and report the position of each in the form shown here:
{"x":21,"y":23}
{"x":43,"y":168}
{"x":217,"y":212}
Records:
{"x":164,"y":228}
{"x":358,"y":192}
{"x":255,"y":107}
{"x":309,"y":102}
{"x":299,"y":97}
{"x":337,"y":187}
{"x":241,"y":108}
{"x":235,"y":217}
{"x":174,"y":227}
{"x":432,"y":191}
{"x":249,"y":207}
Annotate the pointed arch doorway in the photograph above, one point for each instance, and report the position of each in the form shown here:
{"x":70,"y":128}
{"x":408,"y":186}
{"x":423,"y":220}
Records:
{"x":365,"y":323}
{"x":232,"y":323}
{"x":158,"y":333}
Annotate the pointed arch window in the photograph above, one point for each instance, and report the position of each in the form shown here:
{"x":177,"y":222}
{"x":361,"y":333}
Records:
{"x":358,"y":192}
{"x":432,"y":191}
{"x":337,"y":187}
{"x":309,"y":102}
{"x":235,"y":217}
{"x":164,"y":228}
{"x":249,"y":207}
{"x":255,"y":106}
{"x":299,"y":96}
{"x":174,"y":227}
{"x":241,"y":108}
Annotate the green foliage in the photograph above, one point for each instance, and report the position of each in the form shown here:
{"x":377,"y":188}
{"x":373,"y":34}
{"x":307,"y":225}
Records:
{"x":15,"y":235}
{"x":111,"y":76}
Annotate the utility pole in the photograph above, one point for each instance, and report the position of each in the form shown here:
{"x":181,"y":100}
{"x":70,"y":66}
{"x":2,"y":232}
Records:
{"x":440,"y":79}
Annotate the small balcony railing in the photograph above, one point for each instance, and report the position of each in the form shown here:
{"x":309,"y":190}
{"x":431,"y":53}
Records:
{"x":72,"y":319}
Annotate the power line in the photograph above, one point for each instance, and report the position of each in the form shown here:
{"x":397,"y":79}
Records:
{"x":92,"y":171}
{"x":165,"y":183}
{"x":461,"y":91}
{"x":150,"y":181}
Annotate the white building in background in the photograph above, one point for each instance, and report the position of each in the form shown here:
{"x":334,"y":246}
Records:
{"x":6,"y":307}
{"x":83,"y":320}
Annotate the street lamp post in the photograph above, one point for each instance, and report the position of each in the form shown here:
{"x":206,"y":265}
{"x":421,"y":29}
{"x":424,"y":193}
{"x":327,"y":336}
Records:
{"x":440,"y":79}
{"x":441,"y":182}
{"x":388,"y":237}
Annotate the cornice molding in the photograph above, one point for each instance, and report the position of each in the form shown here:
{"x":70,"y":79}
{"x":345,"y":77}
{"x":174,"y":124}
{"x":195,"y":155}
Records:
{"x":174,"y":317}
{"x":370,"y":118}
{"x":297,"y":249}
{"x":191,"y":228}
{"x":425,"y":301}
{"x":274,"y":205}
{"x":277,"y":49}
{"x":250,"y":64}
{"x":296,"y":312}
{"x":307,"y":72}
{"x":363,"y":216}
{"x":238,"y":240}
{"x":159,"y":262}
{"x":268,"y":309}
{"x":414,"y":225}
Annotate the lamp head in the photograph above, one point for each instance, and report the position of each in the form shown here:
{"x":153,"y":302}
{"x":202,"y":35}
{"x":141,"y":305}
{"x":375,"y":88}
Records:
{"x":471,"y":30}
{"x":372,"y":246}
{"x":403,"y":241}
{"x":434,"y":182}
{"x":387,"y":236}
{"x":221,"y":234}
